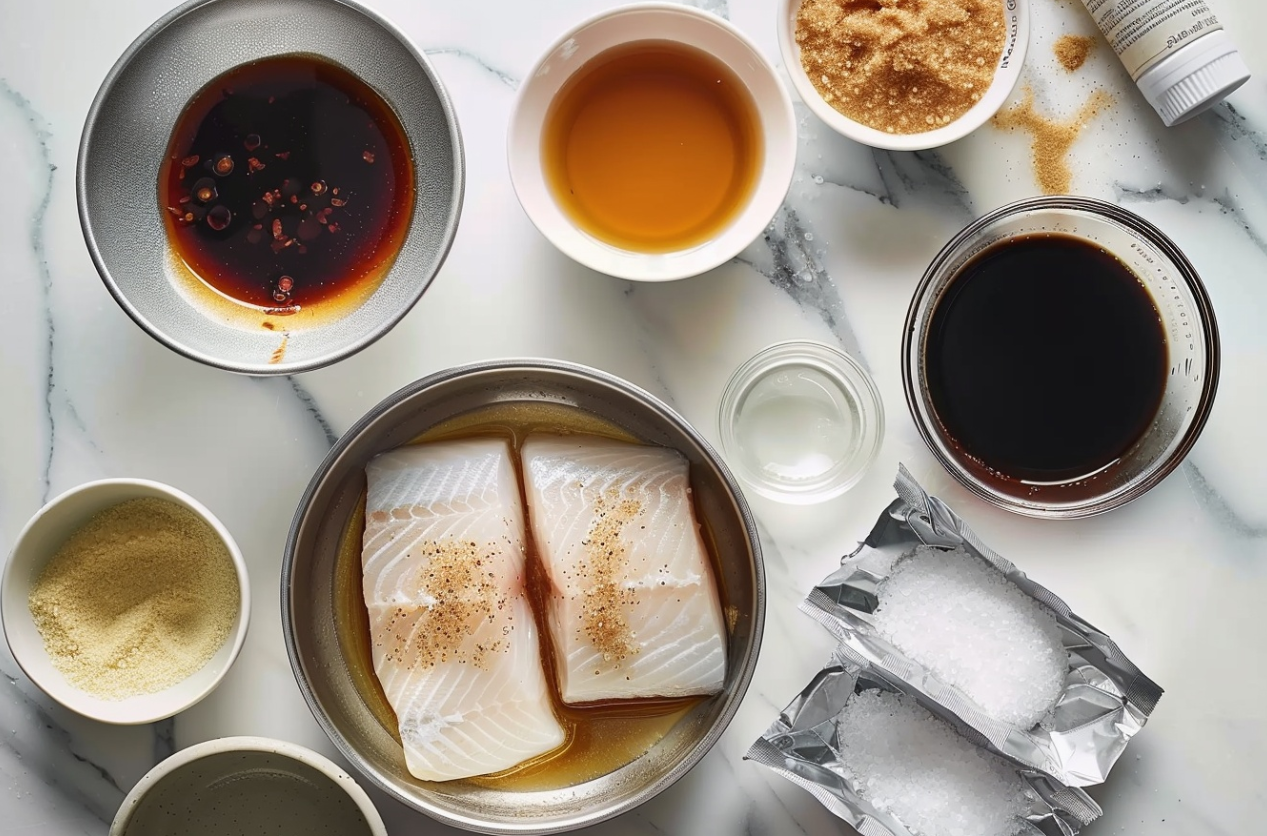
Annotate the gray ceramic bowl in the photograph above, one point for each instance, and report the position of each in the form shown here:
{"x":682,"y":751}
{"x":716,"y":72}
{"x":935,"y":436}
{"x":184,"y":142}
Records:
{"x":236,"y":786}
{"x":126,"y":136}
{"x":336,"y":687}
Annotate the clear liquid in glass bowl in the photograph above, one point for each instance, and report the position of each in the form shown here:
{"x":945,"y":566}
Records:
{"x":801,"y":422}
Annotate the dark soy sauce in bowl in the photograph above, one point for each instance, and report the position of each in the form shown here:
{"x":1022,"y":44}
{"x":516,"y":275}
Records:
{"x":1045,"y":360}
{"x":287,"y":182}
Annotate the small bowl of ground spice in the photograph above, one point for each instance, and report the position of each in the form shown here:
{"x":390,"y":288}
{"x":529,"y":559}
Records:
{"x":904,"y":75}
{"x":125,"y":600}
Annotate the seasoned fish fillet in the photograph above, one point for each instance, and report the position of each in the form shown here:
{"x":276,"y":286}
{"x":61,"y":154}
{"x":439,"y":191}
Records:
{"x":634,"y":608}
{"x":455,"y":645}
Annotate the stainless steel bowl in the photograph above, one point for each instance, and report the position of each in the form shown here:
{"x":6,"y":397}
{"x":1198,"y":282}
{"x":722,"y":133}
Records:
{"x":337,"y":694}
{"x":126,"y":136}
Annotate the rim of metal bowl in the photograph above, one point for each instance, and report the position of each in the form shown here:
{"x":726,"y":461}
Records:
{"x":742,"y":681}
{"x":1205,"y":307}
{"x":85,"y":223}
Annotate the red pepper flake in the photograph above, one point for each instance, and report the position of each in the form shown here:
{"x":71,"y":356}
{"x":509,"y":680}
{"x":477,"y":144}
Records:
{"x":368,"y":156}
{"x":285,"y":283}
{"x":190,"y":160}
{"x":268,"y":198}
{"x":333,"y":227}
{"x":282,"y":155}
{"x":337,"y":201}
{"x":223,"y":165}
{"x":318,"y":187}
{"x":294,"y":198}
{"x":277,"y":229}
{"x":303,"y":207}
{"x":254,"y":165}
{"x":336,"y":189}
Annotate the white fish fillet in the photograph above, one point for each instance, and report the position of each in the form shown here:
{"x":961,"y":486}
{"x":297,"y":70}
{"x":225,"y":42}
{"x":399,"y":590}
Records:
{"x":455,"y":645}
{"x":634,"y":609}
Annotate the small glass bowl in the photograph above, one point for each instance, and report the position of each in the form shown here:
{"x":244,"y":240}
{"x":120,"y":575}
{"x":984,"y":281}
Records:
{"x":801,"y":422}
{"x":1192,"y":337}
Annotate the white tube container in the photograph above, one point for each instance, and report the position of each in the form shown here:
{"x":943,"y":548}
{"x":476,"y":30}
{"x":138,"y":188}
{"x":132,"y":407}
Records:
{"x":1176,"y":50}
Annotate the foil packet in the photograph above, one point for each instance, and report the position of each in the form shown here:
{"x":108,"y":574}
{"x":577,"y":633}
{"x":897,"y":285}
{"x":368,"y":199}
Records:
{"x":803,"y":746}
{"x":1105,"y":700}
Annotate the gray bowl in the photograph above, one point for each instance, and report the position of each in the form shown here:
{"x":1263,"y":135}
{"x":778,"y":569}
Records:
{"x":339,"y":695}
{"x":126,"y":136}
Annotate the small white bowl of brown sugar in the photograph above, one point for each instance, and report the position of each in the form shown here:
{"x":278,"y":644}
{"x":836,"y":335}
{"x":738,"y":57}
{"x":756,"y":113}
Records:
{"x":904,"y":75}
{"x":125,"y":600}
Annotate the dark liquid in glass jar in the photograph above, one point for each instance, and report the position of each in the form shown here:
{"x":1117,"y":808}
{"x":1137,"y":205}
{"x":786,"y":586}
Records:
{"x":1046,"y":360}
{"x":286,"y":182}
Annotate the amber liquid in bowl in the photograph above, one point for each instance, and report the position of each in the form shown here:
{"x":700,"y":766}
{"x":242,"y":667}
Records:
{"x":652,"y":147}
{"x":600,"y":737}
{"x":287,"y":183}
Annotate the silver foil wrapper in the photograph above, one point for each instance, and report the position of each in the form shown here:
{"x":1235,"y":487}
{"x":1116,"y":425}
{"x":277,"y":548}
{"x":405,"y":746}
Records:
{"x":1105,"y":701}
{"x":802,"y":746}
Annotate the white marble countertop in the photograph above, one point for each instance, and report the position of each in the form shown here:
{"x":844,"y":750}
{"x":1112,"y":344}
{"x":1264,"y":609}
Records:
{"x":1179,"y":578}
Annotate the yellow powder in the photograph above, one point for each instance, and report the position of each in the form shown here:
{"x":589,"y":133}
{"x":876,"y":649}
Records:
{"x":1051,"y":139}
{"x":901,"y":66}
{"x":138,"y":599}
{"x":1072,"y":50}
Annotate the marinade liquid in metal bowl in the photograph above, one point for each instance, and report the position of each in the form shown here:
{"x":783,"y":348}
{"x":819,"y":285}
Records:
{"x":217,"y":223}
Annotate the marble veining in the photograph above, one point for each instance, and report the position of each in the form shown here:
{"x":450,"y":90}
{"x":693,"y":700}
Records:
{"x":310,"y":405}
{"x":504,"y":77}
{"x":39,"y":133}
{"x":1177,"y":577}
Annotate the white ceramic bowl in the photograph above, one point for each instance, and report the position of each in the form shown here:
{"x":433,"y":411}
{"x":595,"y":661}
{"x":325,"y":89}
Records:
{"x":40,"y":539}
{"x":247,"y":785}
{"x":1016,"y":16}
{"x":661,"y":22}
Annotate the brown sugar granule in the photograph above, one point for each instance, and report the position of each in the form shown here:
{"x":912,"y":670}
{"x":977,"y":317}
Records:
{"x":605,"y":605}
{"x":901,"y":66}
{"x":1051,"y":139}
{"x":457,"y":580}
{"x":138,"y":599}
{"x":1072,"y":50}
